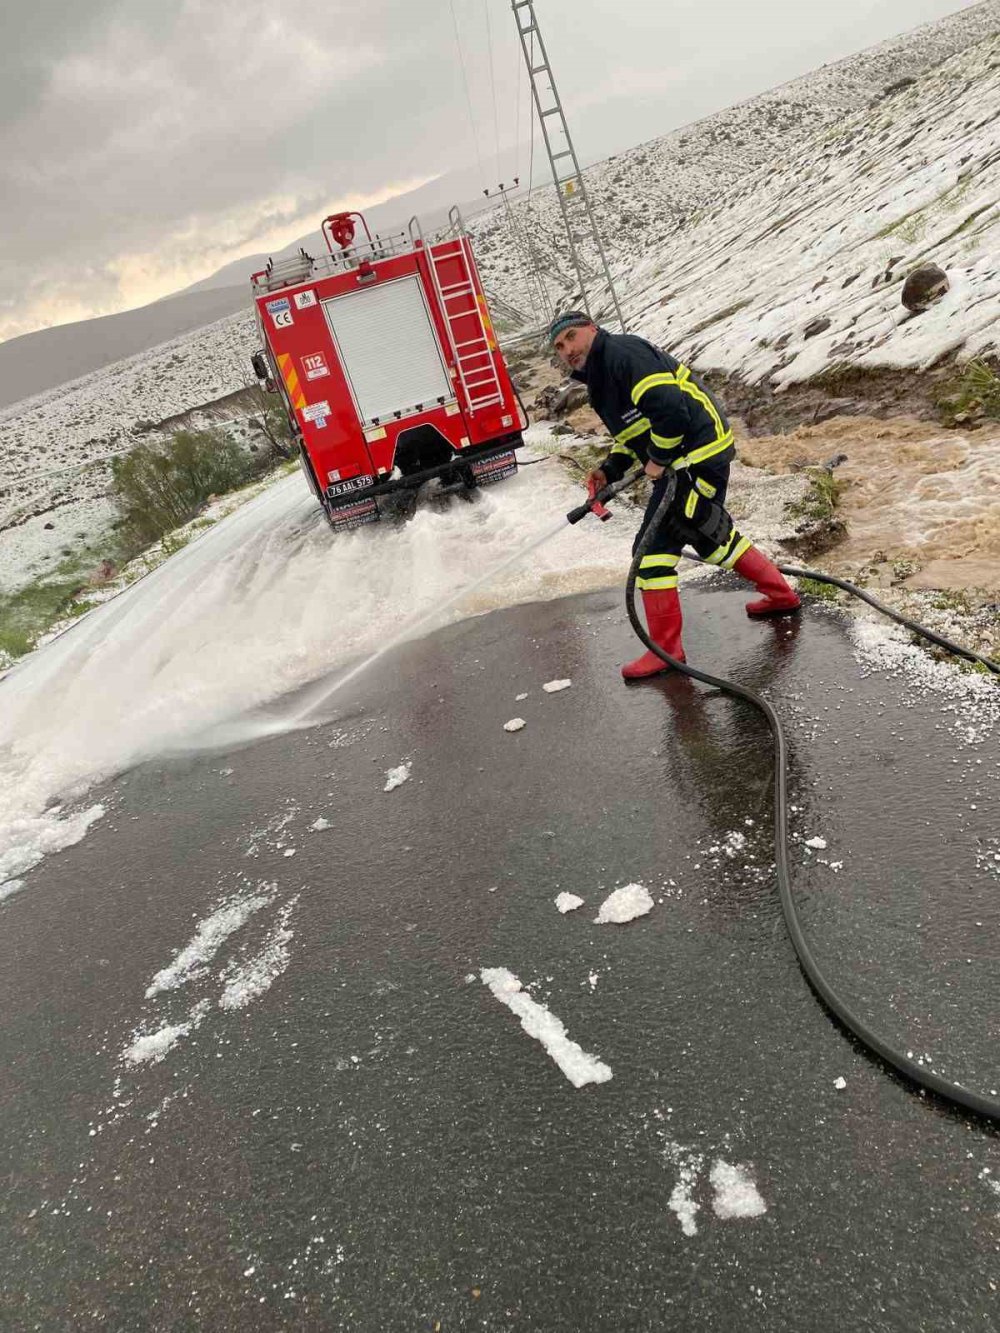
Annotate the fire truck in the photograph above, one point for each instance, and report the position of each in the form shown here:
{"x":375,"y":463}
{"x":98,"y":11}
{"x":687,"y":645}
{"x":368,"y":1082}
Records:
{"x":384,"y":353}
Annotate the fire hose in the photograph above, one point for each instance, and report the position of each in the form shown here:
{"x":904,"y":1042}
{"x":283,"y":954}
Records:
{"x":921,"y":1075}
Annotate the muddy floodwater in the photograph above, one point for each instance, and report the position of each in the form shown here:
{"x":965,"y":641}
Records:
{"x":912,"y":491}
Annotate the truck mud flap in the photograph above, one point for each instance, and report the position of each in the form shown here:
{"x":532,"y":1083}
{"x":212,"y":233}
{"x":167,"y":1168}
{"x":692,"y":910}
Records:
{"x":497,"y":467}
{"x":350,"y":514}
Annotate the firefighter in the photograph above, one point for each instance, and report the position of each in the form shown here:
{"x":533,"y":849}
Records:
{"x":662,"y":417}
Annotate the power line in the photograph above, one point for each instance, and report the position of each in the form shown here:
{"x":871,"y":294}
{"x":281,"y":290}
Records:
{"x":468,"y":95}
{"x":517,"y":122}
{"x":493,"y":82}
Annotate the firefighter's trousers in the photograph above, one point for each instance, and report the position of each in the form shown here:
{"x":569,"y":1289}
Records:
{"x":697,"y":517}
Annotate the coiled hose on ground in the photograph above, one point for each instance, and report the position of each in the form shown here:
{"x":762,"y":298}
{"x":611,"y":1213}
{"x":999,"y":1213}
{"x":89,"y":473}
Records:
{"x":926,"y":1078}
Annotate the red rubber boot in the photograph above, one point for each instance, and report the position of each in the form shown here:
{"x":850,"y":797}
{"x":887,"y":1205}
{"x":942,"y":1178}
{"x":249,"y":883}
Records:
{"x":780,"y":598}
{"x":663,"y":622}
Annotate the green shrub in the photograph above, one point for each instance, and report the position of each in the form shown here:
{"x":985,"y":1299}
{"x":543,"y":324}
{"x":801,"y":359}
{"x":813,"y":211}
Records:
{"x":822,"y":500}
{"x":975,"y":393}
{"x":161,"y":487}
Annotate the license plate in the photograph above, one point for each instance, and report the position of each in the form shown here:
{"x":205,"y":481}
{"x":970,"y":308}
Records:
{"x":354,"y":515}
{"x":497,"y":468}
{"x":345,"y":487}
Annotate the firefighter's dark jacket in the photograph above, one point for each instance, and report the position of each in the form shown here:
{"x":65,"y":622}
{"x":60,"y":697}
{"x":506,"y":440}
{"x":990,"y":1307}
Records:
{"x":653,"y":406}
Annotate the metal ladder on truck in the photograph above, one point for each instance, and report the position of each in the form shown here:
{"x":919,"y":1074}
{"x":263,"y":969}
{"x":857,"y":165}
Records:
{"x":477,"y":372}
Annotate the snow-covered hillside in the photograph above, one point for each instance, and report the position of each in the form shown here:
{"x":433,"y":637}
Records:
{"x":53,"y":463}
{"x":801,"y":268}
{"x":644,"y":195}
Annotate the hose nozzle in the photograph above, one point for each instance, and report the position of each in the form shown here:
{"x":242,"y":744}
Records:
{"x":594,"y":503}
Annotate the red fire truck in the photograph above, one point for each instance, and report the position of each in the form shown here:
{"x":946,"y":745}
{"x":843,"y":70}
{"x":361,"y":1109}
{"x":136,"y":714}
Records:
{"x":384,"y":353}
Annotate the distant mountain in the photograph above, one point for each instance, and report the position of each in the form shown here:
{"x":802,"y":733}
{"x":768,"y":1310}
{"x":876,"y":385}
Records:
{"x":41,"y":360}
{"x":429,"y":202}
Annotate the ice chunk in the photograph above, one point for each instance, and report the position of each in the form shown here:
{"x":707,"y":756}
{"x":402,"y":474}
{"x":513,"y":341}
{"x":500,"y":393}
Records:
{"x":568,"y":902}
{"x":151,"y":1048}
{"x":555,"y":686}
{"x":249,"y":979}
{"x":735,"y":1193}
{"x":538,"y":1022}
{"x":318,"y":825}
{"x":519,"y":698}
{"x":681,"y":1199}
{"x":208,"y":939}
{"x":395,"y":777}
{"x":515,"y":724}
{"x":818,"y":844}
{"x":625,"y":904}
{"x":840,"y":1084}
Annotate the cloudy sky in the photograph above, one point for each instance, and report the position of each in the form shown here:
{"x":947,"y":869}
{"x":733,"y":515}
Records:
{"x":144,"y":143}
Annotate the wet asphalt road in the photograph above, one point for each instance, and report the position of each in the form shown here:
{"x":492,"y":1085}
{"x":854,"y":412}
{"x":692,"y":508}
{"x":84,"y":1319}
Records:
{"x":375,"y":1144}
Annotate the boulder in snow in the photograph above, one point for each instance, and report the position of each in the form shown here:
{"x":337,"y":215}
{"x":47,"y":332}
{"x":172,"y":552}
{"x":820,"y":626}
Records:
{"x":924,"y":287}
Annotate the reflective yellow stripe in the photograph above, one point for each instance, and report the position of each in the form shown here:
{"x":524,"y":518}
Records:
{"x":655,"y":561}
{"x":686,"y":386}
{"x":691,"y":504}
{"x":720,"y":553}
{"x":624,"y":449}
{"x":650,"y":382}
{"x":706,"y":487}
{"x":653,"y":585}
{"x":681,"y":380}
{"x":663,"y":442}
{"x":739,"y":550}
{"x":630,"y":432}
{"x":706,"y":451}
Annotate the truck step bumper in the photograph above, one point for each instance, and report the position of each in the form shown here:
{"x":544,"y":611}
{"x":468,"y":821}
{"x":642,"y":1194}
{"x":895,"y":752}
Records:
{"x":482,"y":468}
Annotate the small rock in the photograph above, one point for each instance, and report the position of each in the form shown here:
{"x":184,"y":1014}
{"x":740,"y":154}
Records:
{"x":816,"y":327}
{"x":515,"y":724}
{"x":572,"y":396}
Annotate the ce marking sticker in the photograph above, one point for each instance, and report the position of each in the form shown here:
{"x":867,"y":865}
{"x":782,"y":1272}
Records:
{"x":281,"y":313}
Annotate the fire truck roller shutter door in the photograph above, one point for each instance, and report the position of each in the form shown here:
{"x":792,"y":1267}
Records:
{"x":388,"y":348}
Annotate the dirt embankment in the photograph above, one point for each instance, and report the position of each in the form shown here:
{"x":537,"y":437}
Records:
{"x":915,"y":501}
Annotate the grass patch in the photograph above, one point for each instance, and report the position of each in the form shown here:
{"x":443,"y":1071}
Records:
{"x":975,"y":393}
{"x":909,"y":229}
{"x":26,"y":614}
{"x":822,"y":500}
{"x":953,"y":599}
{"x":825,"y":592}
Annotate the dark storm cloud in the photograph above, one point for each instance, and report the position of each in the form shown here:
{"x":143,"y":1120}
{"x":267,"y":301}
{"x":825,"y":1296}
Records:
{"x":141,"y":140}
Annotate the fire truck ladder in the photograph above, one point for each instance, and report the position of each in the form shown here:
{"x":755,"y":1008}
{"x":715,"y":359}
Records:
{"x":477,"y":372}
{"x":571,"y":191}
